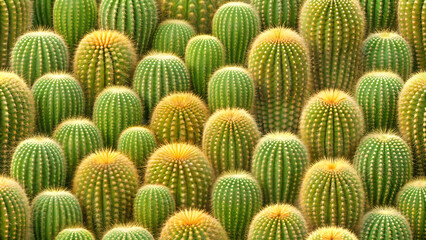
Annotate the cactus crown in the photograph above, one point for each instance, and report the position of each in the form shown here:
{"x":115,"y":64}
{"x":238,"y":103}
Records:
{"x":179,"y":152}
{"x":333,"y":233}
{"x":189,"y":217}
{"x":106,"y":157}
{"x":332,"y":96}
{"x":278,"y":35}
{"x":279,"y":211}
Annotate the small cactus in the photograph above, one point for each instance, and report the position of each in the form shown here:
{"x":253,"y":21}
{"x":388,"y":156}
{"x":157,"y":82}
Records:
{"x":380,"y":15}
{"x":43,"y":13}
{"x":276,"y":13}
{"x":128,"y":232}
{"x":75,"y":234}
{"x":332,"y":233}
{"x":172,"y":36}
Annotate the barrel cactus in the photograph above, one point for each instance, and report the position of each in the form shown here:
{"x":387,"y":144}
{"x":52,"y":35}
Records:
{"x":43,"y":13}
{"x":172,"y":36}
{"x":75,"y":234}
{"x":128,"y":232}
{"x":276,"y":13}
{"x":386,"y":224}
{"x":380,"y":15}
{"x":332,"y":233}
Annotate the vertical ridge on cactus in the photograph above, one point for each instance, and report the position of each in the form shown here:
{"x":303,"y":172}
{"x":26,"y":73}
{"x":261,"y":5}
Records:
{"x":278,"y":13}
{"x":75,"y":234}
{"x":128,"y":232}
{"x":332,"y":233}
{"x":43,"y":13}
{"x":379,"y":15}
{"x":172,"y":36}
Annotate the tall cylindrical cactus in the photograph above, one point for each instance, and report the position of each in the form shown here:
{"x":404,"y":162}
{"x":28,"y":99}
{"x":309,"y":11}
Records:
{"x":75,"y":234}
{"x":280,"y":64}
{"x":43,"y":13}
{"x":172,"y":36}
{"x":278,"y":13}
{"x":379,"y":15}
{"x":332,"y":233}
{"x":128,"y":232}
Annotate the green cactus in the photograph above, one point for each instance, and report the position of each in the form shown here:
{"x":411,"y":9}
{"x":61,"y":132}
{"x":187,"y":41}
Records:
{"x":43,"y":13}
{"x":17,"y":114}
{"x":231,"y":87}
{"x":331,"y":125}
{"x":14,"y":209}
{"x":53,"y":211}
{"x":105,"y":184}
{"x":279,"y":221}
{"x":379,"y":15}
{"x":331,"y":194}
{"x":179,"y":117}
{"x":38,"y":163}
{"x":172,"y":36}
{"x":412,"y":119}
{"x":279,"y":162}
{"x":334,"y":31}
{"x":103,"y":58}
{"x":128,"y":232}
{"x":411,"y":202}
{"x":154,"y":204}
{"x":229,"y":139}
{"x":280,"y":64}
{"x":332,"y":233}
{"x":75,"y":234}
{"x":38,"y":53}
{"x":377,"y":94}
{"x":185,"y":170}
{"x":116,"y":108}
{"x":157,"y":75}
{"x":276,"y":13}
{"x":236,"y":24}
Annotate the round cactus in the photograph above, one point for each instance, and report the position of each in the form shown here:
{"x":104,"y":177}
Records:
{"x":116,"y":108}
{"x":172,"y":36}
{"x":379,"y":15}
{"x":52,"y":211}
{"x":229,"y":139}
{"x":185,"y":170}
{"x":128,"y":232}
{"x":17,"y":114}
{"x":37,"y":53}
{"x":280,"y":64}
{"x":38,"y":163}
{"x":105,"y":183}
{"x":231,"y":87}
{"x":276,"y":13}
{"x":279,"y":162}
{"x":332,"y":233}
{"x":43,"y":13}
{"x":331,"y":125}
{"x":236,"y":24}
{"x":280,"y":221}
{"x":75,"y":234}
{"x":179,"y":117}
{"x":386,"y":224}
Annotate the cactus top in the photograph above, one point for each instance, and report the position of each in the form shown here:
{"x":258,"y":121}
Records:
{"x":336,"y":165}
{"x":332,"y":233}
{"x":9,"y":183}
{"x":178,"y":152}
{"x":279,"y":136}
{"x":388,"y":211}
{"x":332,"y":96}
{"x":231,"y":115}
{"x":183,"y":100}
{"x":279,"y":211}
{"x":277,"y":36}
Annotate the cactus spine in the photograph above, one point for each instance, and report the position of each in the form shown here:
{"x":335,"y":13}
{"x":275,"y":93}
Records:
{"x":172,"y":36}
{"x":332,"y":233}
{"x":75,"y":234}
{"x":379,"y":15}
{"x":128,"y":232}
{"x":43,"y":13}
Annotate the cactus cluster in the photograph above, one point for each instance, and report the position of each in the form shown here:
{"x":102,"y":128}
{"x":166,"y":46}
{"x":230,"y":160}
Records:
{"x":172,"y":36}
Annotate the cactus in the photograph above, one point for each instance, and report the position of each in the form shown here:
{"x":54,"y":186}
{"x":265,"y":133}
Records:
{"x":154,"y":204}
{"x":53,"y":211}
{"x":387,"y":51}
{"x":384,"y":163}
{"x":172,"y":36}
{"x":75,"y":234}
{"x":193,"y":224}
{"x":331,"y":195}
{"x":331,"y":125}
{"x":379,"y":15}
{"x":411,"y":202}
{"x":17,"y":114}
{"x":128,"y":232}
{"x":185,"y":170}
{"x":105,"y":184}
{"x":229,"y":191}
{"x":280,"y":221}
{"x":179,"y":117}
{"x":103,"y":58}
{"x":43,"y":13}
{"x":276,"y":13}
{"x":279,"y":162}
{"x":377,"y":94}
{"x":334,"y":31}
{"x":14,"y":209}
{"x":332,"y":233}
{"x":204,"y":54}
{"x":280,"y":64}
{"x":156,"y":76}
{"x":38,"y":53}
{"x":236,"y":24}
{"x":412,"y":119}
{"x":38,"y":163}
{"x":116,"y":108}
{"x":57,"y":97}
{"x":231,"y":87}
{"x":229,"y":139}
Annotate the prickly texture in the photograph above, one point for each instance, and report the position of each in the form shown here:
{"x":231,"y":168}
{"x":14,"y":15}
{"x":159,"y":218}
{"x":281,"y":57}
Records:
{"x":158,"y":75}
{"x":52,"y":211}
{"x":105,"y":184}
{"x":236,"y":24}
{"x":204,"y":54}
{"x":280,"y":221}
{"x":128,"y":232}
{"x":331,"y":125}
{"x":103,"y":58}
{"x":38,"y":163}
{"x":38,"y":53}
{"x":116,"y":108}
{"x":377,"y":94}
{"x":412,"y":119}
{"x":57,"y":97}
{"x":334,"y":31}
{"x":231,"y":87}
{"x":172,"y":36}
{"x":185,"y":170}
{"x":179,"y":117}
{"x":14,"y":209}
{"x":17,"y":115}
{"x":280,"y":64}
{"x":379,"y":15}
{"x":411,"y":202}
{"x":154,"y":204}
{"x":332,"y":233}
{"x":236,"y":198}
{"x":75,"y":234}
{"x":43,"y":13}
{"x":229,"y":139}
{"x":193,"y":224}
{"x":279,"y":162}
{"x":331,"y":195}
{"x":278,"y":13}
